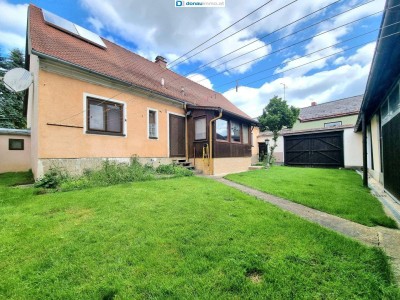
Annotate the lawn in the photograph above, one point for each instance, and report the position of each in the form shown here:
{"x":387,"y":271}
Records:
{"x":180,"y":238}
{"x":338,"y":192}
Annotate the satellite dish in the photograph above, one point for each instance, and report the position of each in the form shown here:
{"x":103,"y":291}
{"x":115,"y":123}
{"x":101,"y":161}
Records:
{"x":18,"y":79}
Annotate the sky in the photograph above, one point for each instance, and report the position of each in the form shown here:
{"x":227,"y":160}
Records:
{"x":299,"y":50}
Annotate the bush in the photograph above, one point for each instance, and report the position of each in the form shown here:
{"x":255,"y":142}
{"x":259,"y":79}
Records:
{"x":110,"y":173}
{"x":176,"y":170}
{"x":52,"y":179}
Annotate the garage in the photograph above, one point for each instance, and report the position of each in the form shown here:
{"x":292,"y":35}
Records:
{"x":323,"y":149}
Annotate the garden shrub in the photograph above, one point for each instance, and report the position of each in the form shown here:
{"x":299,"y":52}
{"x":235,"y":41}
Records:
{"x":173,"y":169}
{"x":110,"y":173}
{"x":52,"y":179}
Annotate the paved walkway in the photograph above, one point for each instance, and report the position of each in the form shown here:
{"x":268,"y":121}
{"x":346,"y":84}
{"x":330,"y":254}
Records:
{"x":391,"y":206}
{"x":387,"y":239}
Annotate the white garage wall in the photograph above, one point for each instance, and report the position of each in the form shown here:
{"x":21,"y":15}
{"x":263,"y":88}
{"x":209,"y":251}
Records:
{"x":352,"y":142}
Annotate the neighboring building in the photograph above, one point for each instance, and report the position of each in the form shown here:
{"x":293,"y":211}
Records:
{"x":322,"y":136}
{"x":379,"y":117}
{"x":15,"y":150}
{"x":93,"y":100}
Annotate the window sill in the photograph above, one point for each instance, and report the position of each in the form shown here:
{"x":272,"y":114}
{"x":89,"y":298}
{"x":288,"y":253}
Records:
{"x":104,"y":133}
{"x":153,"y":137}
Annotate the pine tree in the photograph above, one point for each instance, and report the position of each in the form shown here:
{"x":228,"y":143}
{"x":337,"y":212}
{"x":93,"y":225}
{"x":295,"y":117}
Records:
{"x":11,"y":103}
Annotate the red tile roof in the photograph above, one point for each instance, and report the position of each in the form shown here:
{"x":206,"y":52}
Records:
{"x":121,"y":64}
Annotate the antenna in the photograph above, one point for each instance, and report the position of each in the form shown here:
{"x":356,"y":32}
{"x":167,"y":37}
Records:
{"x":18,"y":79}
{"x":284,"y":91}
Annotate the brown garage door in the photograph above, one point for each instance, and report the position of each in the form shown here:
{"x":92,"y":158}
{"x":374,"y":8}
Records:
{"x":315,"y":150}
{"x":176,"y":136}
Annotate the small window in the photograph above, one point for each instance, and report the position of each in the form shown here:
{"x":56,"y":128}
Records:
{"x":333,"y":124}
{"x":222,"y":130}
{"x":15,"y":144}
{"x":104,"y":117}
{"x":245,"y":130}
{"x":384,"y":111}
{"x":235,"y":132}
{"x":200,"y":127}
{"x":153,"y":124}
{"x":394,"y":102}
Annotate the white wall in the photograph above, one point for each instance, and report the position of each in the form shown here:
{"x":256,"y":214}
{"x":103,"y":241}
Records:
{"x":279,"y":150}
{"x":15,"y":160}
{"x":352,"y":142}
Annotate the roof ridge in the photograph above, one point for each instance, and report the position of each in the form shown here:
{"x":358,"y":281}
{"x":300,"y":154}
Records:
{"x":361,"y":95}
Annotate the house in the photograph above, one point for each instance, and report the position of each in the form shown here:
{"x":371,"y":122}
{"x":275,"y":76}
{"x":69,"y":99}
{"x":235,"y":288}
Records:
{"x":15,"y":150}
{"x":322,"y":136}
{"x":94,"y":100}
{"x":379,"y":117}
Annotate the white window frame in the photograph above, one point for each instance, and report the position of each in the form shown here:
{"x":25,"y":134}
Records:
{"x":336,"y":124}
{"x":124,"y":108}
{"x":148,"y":124}
{"x":248,"y":134}
{"x":390,"y":114}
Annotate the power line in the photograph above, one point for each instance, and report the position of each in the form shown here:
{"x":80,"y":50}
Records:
{"x":330,"y":55}
{"x":258,"y":58}
{"x":263,"y":37}
{"x":291,"y":34}
{"x":225,"y":29}
{"x":236,"y":32}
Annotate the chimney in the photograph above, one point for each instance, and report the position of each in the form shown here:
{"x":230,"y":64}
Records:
{"x":313,"y":103}
{"x":161,"y":61}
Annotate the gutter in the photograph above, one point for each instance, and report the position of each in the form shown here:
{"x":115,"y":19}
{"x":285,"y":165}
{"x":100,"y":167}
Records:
{"x":40,"y":54}
{"x":211,"y":169}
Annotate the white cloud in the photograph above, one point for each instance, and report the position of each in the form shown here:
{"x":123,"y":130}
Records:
{"x":12,"y":25}
{"x":344,"y":81}
{"x":330,"y":38}
{"x":201,"y":79}
{"x":157,"y":27}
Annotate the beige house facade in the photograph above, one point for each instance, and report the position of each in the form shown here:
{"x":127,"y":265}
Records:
{"x":93,"y":100}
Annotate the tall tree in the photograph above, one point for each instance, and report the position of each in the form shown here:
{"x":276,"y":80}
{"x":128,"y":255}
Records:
{"x":277,"y":115}
{"x":11,"y":103}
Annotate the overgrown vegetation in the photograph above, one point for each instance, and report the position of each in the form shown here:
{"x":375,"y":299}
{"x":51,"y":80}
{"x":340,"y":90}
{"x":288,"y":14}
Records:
{"x":110,"y":173}
{"x":338,"y":192}
{"x":184,"y":238}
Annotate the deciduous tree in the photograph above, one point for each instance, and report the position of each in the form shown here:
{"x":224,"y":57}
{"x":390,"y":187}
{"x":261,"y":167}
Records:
{"x":277,"y":115}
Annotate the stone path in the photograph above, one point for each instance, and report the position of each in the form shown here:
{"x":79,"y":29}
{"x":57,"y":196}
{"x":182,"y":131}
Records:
{"x":387,"y":239}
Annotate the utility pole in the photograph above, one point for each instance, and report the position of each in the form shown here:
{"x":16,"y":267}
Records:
{"x":284,"y":91}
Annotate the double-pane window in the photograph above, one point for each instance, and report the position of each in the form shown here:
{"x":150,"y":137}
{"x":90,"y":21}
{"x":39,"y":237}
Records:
{"x":104,"y":116}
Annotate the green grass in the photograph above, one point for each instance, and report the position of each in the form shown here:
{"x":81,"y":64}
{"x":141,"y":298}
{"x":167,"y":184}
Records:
{"x":180,"y":238}
{"x":338,"y":192}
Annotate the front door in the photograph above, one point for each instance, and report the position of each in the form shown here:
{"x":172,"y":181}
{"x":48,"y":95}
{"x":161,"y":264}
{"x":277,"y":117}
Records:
{"x":177,"y":141}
